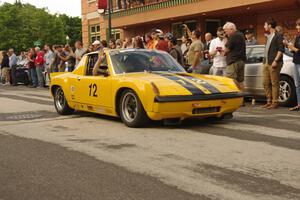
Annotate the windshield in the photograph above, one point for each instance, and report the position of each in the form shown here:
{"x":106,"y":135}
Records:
{"x":128,"y":61}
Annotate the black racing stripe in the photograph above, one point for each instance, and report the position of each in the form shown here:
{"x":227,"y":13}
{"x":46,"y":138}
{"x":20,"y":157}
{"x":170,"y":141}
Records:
{"x":190,"y":87}
{"x":203,"y":83}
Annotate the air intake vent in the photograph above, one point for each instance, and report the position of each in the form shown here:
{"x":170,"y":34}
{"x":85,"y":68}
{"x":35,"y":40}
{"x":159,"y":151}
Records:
{"x":197,"y":111}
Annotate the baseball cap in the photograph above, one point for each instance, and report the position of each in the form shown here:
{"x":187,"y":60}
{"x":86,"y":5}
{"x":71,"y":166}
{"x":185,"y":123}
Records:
{"x":159,"y":31}
{"x":96,"y":42}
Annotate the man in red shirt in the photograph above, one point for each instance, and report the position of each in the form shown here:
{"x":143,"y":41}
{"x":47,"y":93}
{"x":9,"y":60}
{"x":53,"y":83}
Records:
{"x":162,"y":44}
{"x":39,"y":66}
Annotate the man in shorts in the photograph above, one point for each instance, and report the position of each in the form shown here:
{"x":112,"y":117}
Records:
{"x":235,"y":49}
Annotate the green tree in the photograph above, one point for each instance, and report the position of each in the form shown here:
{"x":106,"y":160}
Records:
{"x":72,"y":28}
{"x":23,"y":24}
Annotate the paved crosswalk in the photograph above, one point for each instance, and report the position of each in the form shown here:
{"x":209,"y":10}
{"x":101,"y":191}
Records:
{"x":256,"y":155}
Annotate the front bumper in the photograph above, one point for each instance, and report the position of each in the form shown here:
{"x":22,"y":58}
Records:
{"x":185,"y":108}
{"x":198,"y":97}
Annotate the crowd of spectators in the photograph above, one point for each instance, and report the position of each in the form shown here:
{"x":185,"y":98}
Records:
{"x":224,"y":54}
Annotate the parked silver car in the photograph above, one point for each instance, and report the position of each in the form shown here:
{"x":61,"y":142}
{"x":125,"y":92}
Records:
{"x":254,"y":76}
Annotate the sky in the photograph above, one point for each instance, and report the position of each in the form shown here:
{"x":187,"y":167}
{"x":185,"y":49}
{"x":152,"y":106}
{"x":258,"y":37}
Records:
{"x":69,"y":7}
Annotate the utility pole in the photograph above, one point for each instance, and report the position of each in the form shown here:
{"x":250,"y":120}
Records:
{"x":109,"y":20}
{"x":102,"y":6}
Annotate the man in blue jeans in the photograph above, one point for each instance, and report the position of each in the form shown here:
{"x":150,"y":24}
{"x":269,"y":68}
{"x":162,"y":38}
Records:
{"x":13,"y":66}
{"x":32,"y":71}
{"x":39,"y":66}
{"x":296,"y":59}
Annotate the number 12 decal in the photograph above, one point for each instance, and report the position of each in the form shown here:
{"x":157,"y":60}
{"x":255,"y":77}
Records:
{"x":93,"y":90}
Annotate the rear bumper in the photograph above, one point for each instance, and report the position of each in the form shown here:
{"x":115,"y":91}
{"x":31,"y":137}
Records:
{"x":184,"y":109}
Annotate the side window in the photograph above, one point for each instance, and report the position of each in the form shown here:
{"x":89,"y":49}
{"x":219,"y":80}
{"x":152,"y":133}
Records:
{"x":255,"y":55}
{"x":92,"y":59}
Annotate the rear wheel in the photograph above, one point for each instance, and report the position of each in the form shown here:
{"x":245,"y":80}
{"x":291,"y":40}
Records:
{"x":60,"y":102}
{"x":287,"y":91}
{"x":131,"y":110}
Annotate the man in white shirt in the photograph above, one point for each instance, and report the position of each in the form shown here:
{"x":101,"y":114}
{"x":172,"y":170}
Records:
{"x":80,"y":51}
{"x":216,"y":51}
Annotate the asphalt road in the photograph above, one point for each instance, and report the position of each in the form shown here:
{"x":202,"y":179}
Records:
{"x":86,"y":156}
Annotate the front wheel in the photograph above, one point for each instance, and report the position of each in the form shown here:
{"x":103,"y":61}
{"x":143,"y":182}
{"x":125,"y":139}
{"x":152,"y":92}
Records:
{"x":60,"y":102}
{"x":131,"y":110}
{"x":287,"y":91}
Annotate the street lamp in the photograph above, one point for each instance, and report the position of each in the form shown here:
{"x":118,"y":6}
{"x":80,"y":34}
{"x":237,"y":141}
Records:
{"x":100,"y":11}
{"x":67,"y":38}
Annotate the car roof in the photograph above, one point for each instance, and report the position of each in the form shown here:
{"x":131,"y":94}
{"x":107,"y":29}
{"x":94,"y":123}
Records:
{"x":126,"y":50}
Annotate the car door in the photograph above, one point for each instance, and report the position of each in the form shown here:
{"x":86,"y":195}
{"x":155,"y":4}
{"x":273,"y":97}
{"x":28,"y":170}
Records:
{"x":254,"y":70}
{"x":93,"y":92}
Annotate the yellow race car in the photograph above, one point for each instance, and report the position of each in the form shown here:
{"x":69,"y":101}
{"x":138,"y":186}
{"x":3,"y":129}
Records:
{"x":142,"y":85}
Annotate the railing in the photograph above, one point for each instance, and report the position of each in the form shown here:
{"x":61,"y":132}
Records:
{"x":128,"y":4}
{"x":137,"y":6}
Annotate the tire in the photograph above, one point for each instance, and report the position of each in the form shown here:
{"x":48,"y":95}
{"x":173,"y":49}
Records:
{"x":131,"y":110}
{"x":60,"y":102}
{"x":287,"y":91}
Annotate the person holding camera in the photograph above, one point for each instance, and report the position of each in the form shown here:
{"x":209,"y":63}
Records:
{"x":216,"y":51}
{"x":195,"y":53}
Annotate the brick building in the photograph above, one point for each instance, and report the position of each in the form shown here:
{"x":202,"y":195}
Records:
{"x":140,"y":16}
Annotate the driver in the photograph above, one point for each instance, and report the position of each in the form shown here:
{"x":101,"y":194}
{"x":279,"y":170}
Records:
{"x":96,"y":69}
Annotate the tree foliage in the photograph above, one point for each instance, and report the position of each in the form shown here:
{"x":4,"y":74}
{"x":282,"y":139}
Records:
{"x":72,"y":27}
{"x":23,"y":24}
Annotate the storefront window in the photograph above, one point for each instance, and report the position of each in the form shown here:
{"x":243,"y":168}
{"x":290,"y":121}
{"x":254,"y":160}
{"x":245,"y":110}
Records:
{"x":211,"y":26}
{"x":94,"y":33}
{"x":177,"y":28}
{"x":116,"y":34}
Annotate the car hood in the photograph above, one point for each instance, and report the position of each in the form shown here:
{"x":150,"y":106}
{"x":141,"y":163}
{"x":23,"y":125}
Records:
{"x":170,"y":84}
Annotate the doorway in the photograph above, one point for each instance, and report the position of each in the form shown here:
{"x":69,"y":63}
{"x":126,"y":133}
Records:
{"x":211,"y":26}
